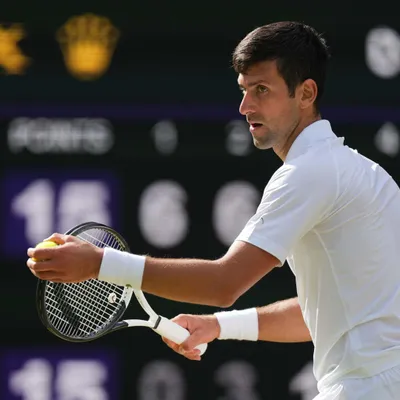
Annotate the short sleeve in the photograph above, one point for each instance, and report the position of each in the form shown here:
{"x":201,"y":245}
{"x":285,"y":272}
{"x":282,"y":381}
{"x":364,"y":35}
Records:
{"x":295,"y":200}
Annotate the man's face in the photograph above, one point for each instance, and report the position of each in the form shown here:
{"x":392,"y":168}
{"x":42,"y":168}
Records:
{"x":271,"y":113}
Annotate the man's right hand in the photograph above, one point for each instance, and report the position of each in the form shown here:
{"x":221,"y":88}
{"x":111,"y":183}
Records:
{"x":202,"y":328}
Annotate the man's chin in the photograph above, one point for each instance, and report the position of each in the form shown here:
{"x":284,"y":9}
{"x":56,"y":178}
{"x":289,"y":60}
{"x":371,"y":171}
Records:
{"x":261,"y":145}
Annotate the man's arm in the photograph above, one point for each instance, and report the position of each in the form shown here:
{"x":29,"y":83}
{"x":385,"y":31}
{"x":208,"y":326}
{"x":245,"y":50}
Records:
{"x":209,"y":282}
{"x":278,"y":322}
{"x":282,"y":322}
{"x":217,"y":283}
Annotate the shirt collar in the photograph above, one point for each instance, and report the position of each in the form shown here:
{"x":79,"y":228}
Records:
{"x":314,"y":133}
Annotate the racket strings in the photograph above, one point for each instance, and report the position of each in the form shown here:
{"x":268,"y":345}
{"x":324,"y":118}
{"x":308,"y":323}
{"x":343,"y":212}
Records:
{"x":82,"y":308}
{"x":85,"y":308}
{"x":105,"y":239}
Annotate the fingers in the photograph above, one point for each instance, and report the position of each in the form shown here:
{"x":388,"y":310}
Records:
{"x":41,"y":270}
{"x":41,"y":255}
{"x":182,"y":320}
{"x":37,"y":266}
{"x":72,"y":261}
{"x":203,"y":329}
{"x":171,"y":344}
{"x":196,"y":338}
{"x":44,"y":253}
{"x":39,"y":258}
{"x":58,"y":238}
{"x":187,"y":348}
{"x":191,"y":354}
{"x":46,"y":276}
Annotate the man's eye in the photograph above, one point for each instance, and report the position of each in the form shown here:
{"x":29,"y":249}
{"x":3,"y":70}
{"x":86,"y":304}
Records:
{"x":262,"y":89}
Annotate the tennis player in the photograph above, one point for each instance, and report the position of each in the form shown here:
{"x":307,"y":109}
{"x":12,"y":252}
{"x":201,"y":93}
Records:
{"x":331,"y":213}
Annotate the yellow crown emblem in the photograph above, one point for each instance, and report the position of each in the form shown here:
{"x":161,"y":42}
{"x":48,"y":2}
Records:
{"x":12,"y":60}
{"x":87,"y":42}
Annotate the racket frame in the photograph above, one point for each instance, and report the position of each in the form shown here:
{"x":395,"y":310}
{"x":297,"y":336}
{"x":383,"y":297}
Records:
{"x":115,"y":324}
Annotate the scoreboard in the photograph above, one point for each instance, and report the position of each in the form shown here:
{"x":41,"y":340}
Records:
{"x":169,"y":185}
{"x":128,"y":115}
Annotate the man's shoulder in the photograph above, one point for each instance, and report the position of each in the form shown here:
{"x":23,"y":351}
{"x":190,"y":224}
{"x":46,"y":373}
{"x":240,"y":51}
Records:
{"x":309,"y":169}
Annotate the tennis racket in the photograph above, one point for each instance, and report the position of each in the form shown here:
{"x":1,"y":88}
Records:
{"x":84,"y":311}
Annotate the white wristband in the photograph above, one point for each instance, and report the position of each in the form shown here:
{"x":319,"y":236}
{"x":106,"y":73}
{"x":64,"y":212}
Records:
{"x":122,"y":268}
{"x":239,"y":325}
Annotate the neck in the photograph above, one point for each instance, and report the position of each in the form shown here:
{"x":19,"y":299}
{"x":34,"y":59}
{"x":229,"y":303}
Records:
{"x":282,"y":149}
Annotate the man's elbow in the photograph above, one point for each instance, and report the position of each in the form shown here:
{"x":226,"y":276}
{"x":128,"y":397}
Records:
{"x":226,"y":297}
{"x":228,"y":286}
{"x":225,"y":302}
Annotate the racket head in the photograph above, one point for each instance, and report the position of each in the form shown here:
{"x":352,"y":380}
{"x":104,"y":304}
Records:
{"x":84,"y":311}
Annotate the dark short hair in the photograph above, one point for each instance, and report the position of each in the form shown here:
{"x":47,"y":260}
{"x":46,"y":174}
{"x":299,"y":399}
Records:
{"x":299,"y":50}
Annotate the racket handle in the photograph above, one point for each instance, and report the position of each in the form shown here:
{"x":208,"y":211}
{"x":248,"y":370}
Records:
{"x":176,"y":333}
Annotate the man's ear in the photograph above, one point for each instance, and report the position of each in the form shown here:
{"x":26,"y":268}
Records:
{"x":309,"y":91}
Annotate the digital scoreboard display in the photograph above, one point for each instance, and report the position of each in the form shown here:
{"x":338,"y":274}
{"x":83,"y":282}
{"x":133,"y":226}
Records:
{"x":58,"y":374}
{"x":39,"y":202}
{"x":160,"y":181}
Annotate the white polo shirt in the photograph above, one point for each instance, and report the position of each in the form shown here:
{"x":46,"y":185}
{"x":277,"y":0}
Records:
{"x":334,"y":215}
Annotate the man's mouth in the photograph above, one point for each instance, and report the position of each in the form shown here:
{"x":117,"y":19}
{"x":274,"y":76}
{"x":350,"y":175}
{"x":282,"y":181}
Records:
{"x":254,"y":126}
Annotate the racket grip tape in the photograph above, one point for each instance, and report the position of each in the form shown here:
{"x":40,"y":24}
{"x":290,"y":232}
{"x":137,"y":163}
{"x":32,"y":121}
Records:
{"x":176,"y":333}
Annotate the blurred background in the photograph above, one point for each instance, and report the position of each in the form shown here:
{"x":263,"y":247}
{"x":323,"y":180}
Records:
{"x":126,"y":113}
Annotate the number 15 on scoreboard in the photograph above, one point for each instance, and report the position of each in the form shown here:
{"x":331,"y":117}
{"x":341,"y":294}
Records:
{"x":37,"y":203}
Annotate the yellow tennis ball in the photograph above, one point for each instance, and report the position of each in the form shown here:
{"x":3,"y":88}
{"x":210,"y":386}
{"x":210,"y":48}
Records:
{"x":44,"y":245}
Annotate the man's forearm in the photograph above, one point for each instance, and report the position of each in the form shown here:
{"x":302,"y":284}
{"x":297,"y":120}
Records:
{"x":217,"y":283}
{"x":210,"y":282}
{"x":188,"y":280}
{"x":214,"y":283}
{"x":282,"y":322}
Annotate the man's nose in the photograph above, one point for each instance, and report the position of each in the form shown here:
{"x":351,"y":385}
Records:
{"x":247,"y":105}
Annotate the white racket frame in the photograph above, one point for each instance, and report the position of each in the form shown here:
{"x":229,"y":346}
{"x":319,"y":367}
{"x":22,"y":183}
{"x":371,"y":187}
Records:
{"x":159,"y":324}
